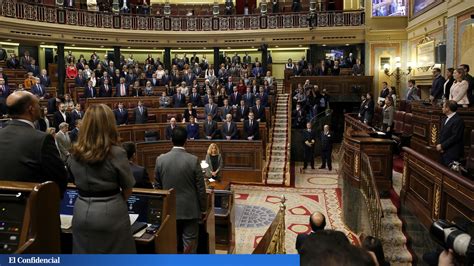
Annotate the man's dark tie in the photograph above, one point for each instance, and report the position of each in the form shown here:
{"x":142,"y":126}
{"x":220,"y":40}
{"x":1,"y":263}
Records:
{"x":251,"y":123}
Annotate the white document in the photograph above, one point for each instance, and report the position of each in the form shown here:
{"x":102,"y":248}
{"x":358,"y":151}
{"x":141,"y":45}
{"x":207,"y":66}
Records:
{"x":133,"y":218}
{"x":66,"y":221}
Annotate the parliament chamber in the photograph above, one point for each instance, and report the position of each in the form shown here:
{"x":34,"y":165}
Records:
{"x":239,"y":127}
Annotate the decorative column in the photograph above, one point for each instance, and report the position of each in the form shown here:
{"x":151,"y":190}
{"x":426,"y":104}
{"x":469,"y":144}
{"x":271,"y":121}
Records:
{"x":167,"y":58}
{"x":264,"y":49}
{"x":61,"y":68}
{"x":216,"y":60}
{"x":117,"y":56}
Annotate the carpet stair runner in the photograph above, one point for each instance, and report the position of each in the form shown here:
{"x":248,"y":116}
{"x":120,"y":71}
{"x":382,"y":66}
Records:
{"x":393,"y":240}
{"x":277,"y":170}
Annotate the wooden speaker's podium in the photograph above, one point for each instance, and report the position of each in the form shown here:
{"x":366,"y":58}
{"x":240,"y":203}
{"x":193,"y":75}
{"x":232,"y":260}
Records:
{"x":29,"y":218}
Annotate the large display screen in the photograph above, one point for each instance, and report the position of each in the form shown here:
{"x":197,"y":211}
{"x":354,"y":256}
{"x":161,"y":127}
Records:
{"x":420,"y":6}
{"x":389,"y":8}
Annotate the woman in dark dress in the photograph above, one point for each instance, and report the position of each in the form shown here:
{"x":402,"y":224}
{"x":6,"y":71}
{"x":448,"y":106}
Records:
{"x":102,"y":174}
{"x":189,"y":112}
{"x":214,"y":160}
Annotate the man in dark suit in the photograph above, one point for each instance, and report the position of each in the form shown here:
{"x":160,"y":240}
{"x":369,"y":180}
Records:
{"x":242,"y":112}
{"x":28,"y":154}
{"x":229,"y":86}
{"x":179,"y":100}
{"x":170,"y":128}
{"x":358,"y":69}
{"x":80,"y":80}
{"x":25,"y":60}
{"x":249,"y":97}
{"x":33,"y":68}
{"x":121,"y":90}
{"x":74,"y":134}
{"x":259,"y":111}
{"x":38,"y":89}
{"x":251,"y":128}
{"x":76,"y":114}
{"x":210,"y":127}
{"x":225,"y":110}
{"x":105,"y":89}
{"x":181,"y":171}
{"x":309,"y":138}
{"x":195,"y":98}
{"x":61,"y":116}
{"x":13,"y":62}
{"x":451,"y":143}
{"x":140,"y":113}
{"x":326,"y":148}
{"x":121,"y":114}
{"x":317,"y":222}
{"x":44,"y":79}
{"x":229,"y":128}
{"x":211,"y":109}
{"x":139,"y":173}
{"x":235,"y":98}
{"x":437,"y":86}
{"x":89,"y":91}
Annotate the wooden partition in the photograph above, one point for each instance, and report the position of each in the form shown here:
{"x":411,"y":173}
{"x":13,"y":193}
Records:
{"x":242,"y":159}
{"x":427,"y":128}
{"x":432,"y":191}
{"x":29,"y":227}
{"x":357,"y":141}
{"x":340,"y":88}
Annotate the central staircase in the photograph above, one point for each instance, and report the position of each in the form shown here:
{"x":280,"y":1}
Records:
{"x":278,"y":165}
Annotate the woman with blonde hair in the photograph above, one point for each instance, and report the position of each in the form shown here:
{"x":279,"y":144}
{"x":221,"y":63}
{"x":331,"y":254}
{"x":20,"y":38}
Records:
{"x":215,"y":162}
{"x":101,"y":172}
{"x":458,"y":92}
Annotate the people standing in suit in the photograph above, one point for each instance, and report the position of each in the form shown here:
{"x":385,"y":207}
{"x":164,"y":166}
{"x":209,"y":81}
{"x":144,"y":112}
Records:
{"x":211,"y":109}
{"x":451,"y":142}
{"x":182,"y":172}
{"x":89,"y":90}
{"x":448,"y":83}
{"x":101,"y":172}
{"x":28,"y":155}
{"x":437,"y":86}
{"x":249,"y":97}
{"x":74,"y":134}
{"x":121,"y":115}
{"x":210,"y":128}
{"x":215,"y":162}
{"x":309,"y":137}
{"x":38,"y":89}
{"x":33,"y":68}
{"x":13,"y":62}
{"x":4,"y":92}
{"x":226,"y":109}
{"x":105,"y":89}
{"x":235,"y":98}
{"x":61,"y":116}
{"x":76,"y":114}
{"x":358,"y":69}
{"x":121,"y":90}
{"x":139,"y":173}
{"x":412,"y":91}
{"x":195,"y":98}
{"x":192,"y":128}
{"x":170,"y":128}
{"x":369,"y":109}
{"x":317,"y":222}
{"x":140,"y":114}
{"x":388,"y":114}
{"x":470,"y":81}
{"x":63,"y":141}
{"x":459,"y":90}
{"x":44,"y":79}
{"x":229,"y":128}
{"x":259,"y":111}
{"x":326,"y":148}
{"x":251,"y":128}
{"x":179,"y":99}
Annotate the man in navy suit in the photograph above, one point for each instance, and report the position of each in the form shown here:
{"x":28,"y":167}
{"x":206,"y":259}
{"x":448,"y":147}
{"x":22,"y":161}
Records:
{"x":38,"y":89}
{"x":139,"y":173}
{"x":437,"y":86}
{"x":105,"y":89}
{"x":451,"y":143}
{"x":211,"y":109}
{"x":242,"y":112}
{"x":80,"y":80}
{"x":317,"y":222}
{"x":195,"y":98}
{"x":4,"y":92}
{"x":326,"y":148}
{"x":3,"y":76}
{"x":76,"y":114}
{"x":121,"y":90}
{"x":226,"y":109}
{"x":121,"y":114}
{"x":193,"y":129}
{"x":179,"y":100}
{"x":251,"y":128}
{"x":229,"y":128}
{"x":140,"y":113}
{"x":89,"y":91}
{"x":249,"y":97}
{"x":33,"y":68}
{"x":259,"y":111}
{"x":189,"y":77}
{"x":74,"y":134}
{"x":309,"y":138}
{"x":44,"y":79}
{"x":235,"y":98}
{"x":229,"y":86}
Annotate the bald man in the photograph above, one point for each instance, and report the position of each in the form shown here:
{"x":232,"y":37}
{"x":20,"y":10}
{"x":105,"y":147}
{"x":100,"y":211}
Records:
{"x":28,"y":155}
{"x":317,"y":222}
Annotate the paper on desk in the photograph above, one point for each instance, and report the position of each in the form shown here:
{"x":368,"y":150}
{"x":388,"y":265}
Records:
{"x":66,"y":221}
{"x":141,"y":232}
{"x":381,"y":133}
{"x":133,"y":218}
{"x":212,"y":180}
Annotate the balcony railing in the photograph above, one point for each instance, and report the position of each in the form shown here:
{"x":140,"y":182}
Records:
{"x":84,"y":18}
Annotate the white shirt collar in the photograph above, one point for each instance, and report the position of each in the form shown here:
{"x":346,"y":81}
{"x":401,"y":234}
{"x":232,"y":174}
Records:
{"x":27,"y":121}
{"x":450,"y":115}
{"x":177,"y":147}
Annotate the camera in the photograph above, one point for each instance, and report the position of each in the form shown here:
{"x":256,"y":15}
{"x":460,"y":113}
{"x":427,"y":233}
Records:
{"x":451,"y":236}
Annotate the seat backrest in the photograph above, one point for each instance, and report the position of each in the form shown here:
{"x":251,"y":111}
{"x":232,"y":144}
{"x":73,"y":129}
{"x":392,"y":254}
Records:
{"x":407,"y":125}
{"x":398,"y":121}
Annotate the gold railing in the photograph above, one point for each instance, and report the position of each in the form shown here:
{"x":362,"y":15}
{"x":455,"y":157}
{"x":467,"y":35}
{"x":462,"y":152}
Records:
{"x":370,"y":192}
{"x":273,"y":242}
{"x":84,"y":18}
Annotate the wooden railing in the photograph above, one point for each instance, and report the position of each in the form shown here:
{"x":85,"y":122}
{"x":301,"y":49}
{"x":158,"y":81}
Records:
{"x":273,"y":242}
{"x":369,"y":190}
{"x":84,"y":18}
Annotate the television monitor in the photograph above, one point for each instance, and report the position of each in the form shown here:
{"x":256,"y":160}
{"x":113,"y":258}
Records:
{"x":389,"y":8}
